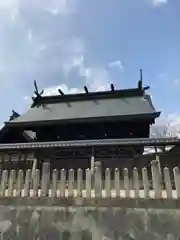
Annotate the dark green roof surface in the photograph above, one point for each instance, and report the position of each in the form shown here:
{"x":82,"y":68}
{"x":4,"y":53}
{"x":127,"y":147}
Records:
{"x":85,"y":109}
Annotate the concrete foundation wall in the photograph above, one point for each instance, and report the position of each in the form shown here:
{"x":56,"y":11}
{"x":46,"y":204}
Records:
{"x":141,"y":220}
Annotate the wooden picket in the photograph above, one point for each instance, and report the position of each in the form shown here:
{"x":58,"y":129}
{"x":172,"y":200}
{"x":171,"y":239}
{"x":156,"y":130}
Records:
{"x":64,"y":184}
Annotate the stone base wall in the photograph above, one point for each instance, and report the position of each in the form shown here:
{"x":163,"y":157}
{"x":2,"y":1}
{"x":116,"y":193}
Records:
{"x":97,"y":220}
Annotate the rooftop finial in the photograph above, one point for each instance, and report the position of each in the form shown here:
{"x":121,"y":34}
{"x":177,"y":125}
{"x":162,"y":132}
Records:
{"x":37,"y":93}
{"x":140,"y":81}
{"x":141,"y":74}
{"x":112,"y":87}
{"x":86,"y":89}
{"x":14,"y":115}
{"x":60,"y":91}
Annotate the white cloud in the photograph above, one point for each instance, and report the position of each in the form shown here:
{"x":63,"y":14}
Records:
{"x":96,"y":77}
{"x":71,"y":57}
{"x":76,"y":61}
{"x":30,"y":35}
{"x":25,"y":27}
{"x":117,"y":64}
{"x":62,"y":6}
{"x":176,"y":82}
{"x":42,"y":40}
{"x":158,"y":3}
{"x":6,"y":4}
{"x":13,"y":8}
{"x":167,"y":126}
{"x":53,"y":90}
{"x":37,"y":46}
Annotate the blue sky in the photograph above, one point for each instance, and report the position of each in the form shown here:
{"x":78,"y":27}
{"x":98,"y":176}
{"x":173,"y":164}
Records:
{"x":67,"y":44}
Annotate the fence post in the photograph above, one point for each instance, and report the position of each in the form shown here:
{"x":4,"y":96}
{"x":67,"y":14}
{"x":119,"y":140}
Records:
{"x":167,"y":181}
{"x":117,"y":182}
{"x":92,"y":164}
{"x":136,"y":182}
{"x":156,"y":179}
{"x":70,"y":183}
{"x":79,"y":182}
{"x":62,"y":183}
{"x":34,"y":168}
{"x":4,"y":182}
{"x":45,"y":179}
{"x":54,"y":182}
{"x":145,"y":182}
{"x":177,"y":180}
{"x":97,"y":180}
{"x":20,"y":180}
{"x":126,"y":182}
{"x":108,"y":182}
{"x":88,"y":183}
{"x":12,"y":177}
{"x":35,"y":183}
{"x":27,"y":183}
{"x":159,"y":167}
{"x":98,"y":235}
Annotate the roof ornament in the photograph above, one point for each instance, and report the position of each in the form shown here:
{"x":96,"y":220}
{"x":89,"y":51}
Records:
{"x":112,"y":87}
{"x":14,"y":115}
{"x":86,"y":89}
{"x":60,"y":91}
{"x":146,"y":88}
{"x":37,"y":93}
{"x":140,"y":81}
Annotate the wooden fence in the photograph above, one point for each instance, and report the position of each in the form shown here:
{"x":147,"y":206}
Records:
{"x":63,"y":184}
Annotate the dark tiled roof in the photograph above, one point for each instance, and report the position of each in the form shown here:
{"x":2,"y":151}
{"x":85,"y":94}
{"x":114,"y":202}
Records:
{"x":91,"y":143}
{"x":28,"y":135}
{"x":116,"y":107}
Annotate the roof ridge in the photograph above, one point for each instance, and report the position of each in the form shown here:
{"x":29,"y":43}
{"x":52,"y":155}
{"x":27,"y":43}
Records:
{"x":131,"y":92}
